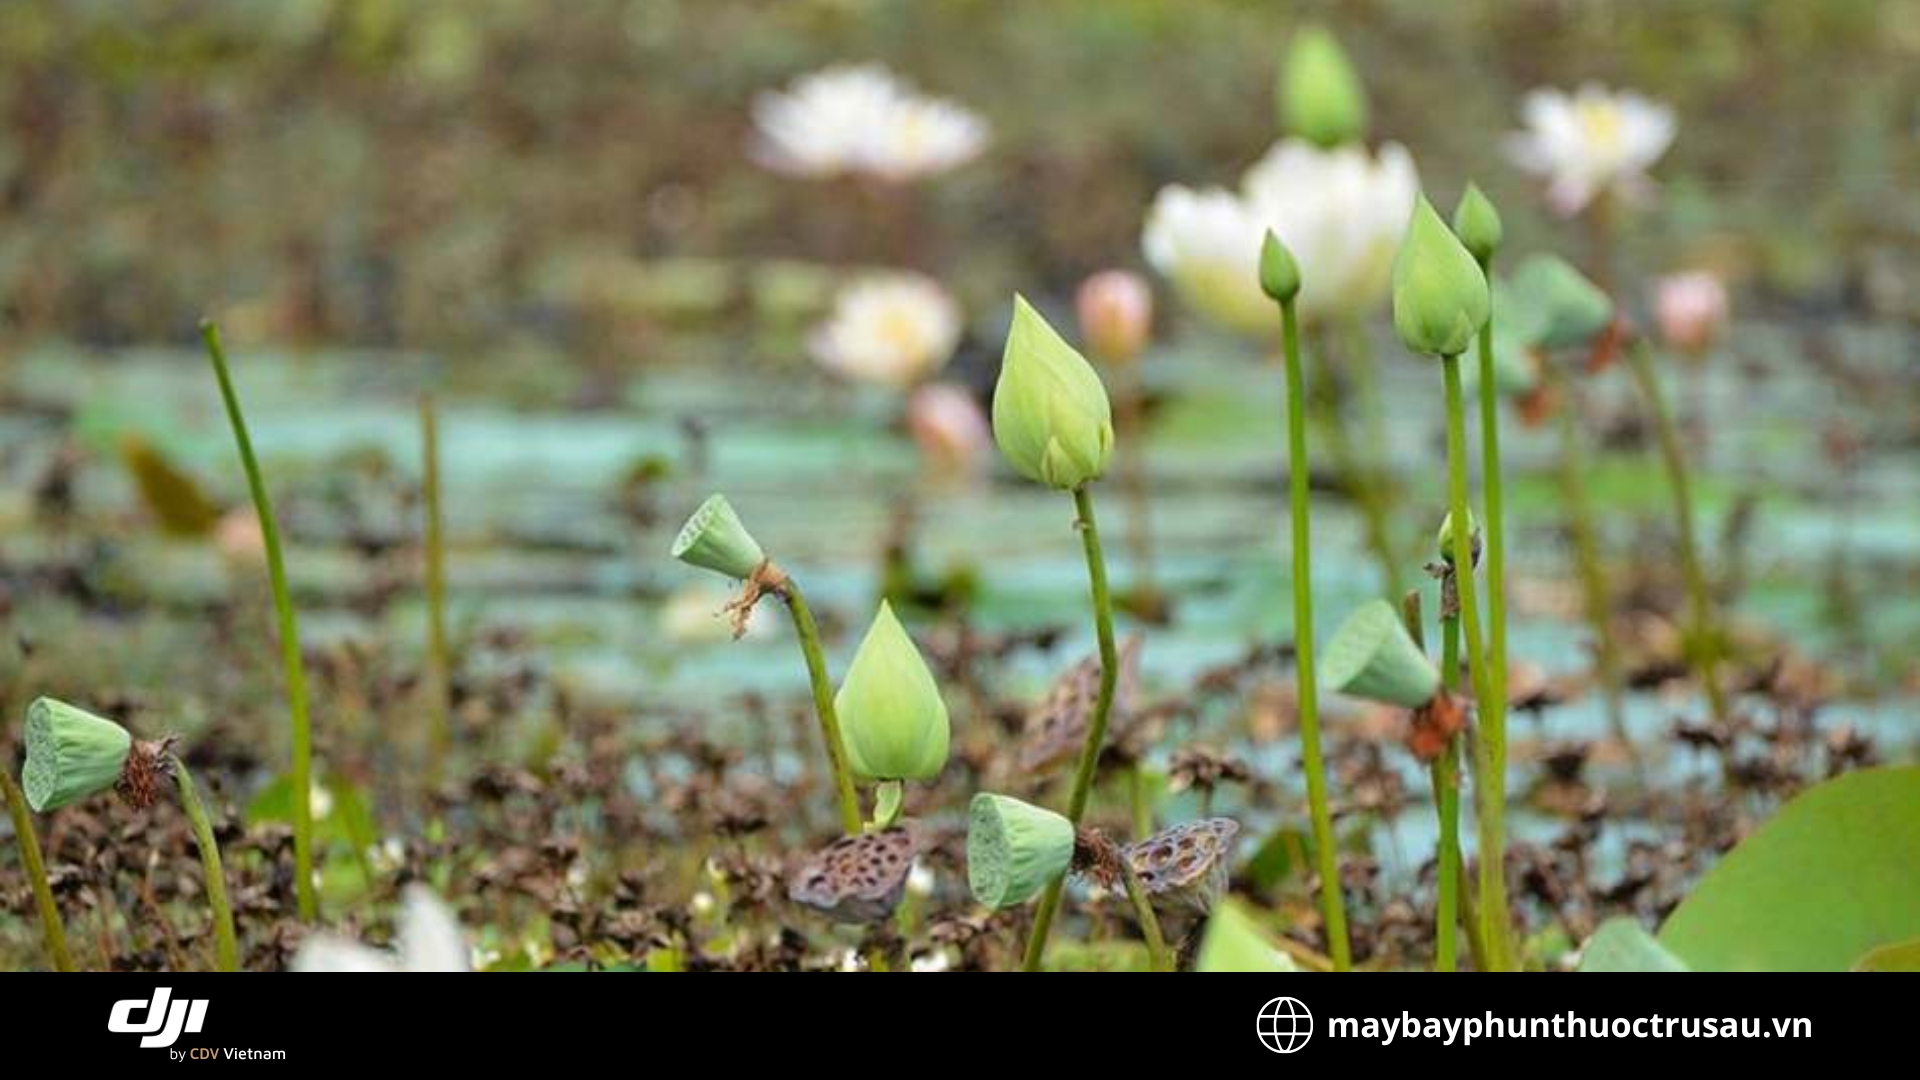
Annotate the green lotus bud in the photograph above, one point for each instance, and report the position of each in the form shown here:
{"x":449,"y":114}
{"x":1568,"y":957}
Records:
{"x":1372,"y":656}
{"x":1555,"y":306}
{"x":892,"y":720}
{"x":1439,"y":294}
{"x":1445,"y":538}
{"x":1234,"y":942}
{"x":1050,"y":413}
{"x":714,"y":539}
{"x":1013,"y":849}
{"x":71,"y":754}
{"x":1279,"y":274}
{"x":1321,"y":99}
{"x":1477,"y":224}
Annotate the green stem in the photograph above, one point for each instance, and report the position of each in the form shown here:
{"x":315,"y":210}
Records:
{"x":1149,"y":923}
{"x":50,"y":922}
{"x":1596,"y":593}
{"x":1446,"y":786}
{"x":1494,"y":710}
{"x":1096,"y":728}
{"x":1137,"y":796}
{"x":1332,"y":906}
{"x":1490,"y":746}
{"x":296,"y":672}
{"x":809,"y":634}
{"x":439,"y":663}
{"x":1703,"y":645}
{"x":888,"y":796}
{"x":227,"y":948}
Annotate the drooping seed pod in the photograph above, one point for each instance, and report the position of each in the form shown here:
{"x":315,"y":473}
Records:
{"x":1372,"y":656}
{"x":71,"y":754}
{"x":714,"y":539}
{"x":1014,"y":849}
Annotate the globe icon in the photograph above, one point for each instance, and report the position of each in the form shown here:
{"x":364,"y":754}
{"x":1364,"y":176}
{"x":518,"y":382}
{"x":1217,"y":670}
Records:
{"x":1285,"y":1025}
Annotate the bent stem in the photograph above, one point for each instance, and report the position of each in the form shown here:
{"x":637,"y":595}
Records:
{"x":1703,"y":645}
{"x":51,"y":925}
{"x":439,"y":664}
{"x":809,"y":634}
{"x":1096,"y":728}
{"x":1149,"y":922}
{"x":1332,"y":906}
{"x":295,"y":667}
{"x":1490,"y":747}
{"x":226,"y":946}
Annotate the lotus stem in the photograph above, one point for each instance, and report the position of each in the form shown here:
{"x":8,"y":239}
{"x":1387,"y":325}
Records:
{"x":226,"y":945}
{"x":295,"y":668}
{"x":439,"y":662}
{"x":51,"y":925}
{"x":809,"y":634}
{"x":1149,"y":923}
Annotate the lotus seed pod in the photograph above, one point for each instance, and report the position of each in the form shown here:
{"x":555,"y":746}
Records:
{"x":71,"y":754}
{"x":892,"y":719}
{"x":1372,"y":656}
{"x":1477,"y":224}
{"x":1321,"y":99}
{"x":1439,"y":293}
{"x":1279,"y":274}
{"x":1444,"y":540}
{"x":1234,"y":942}
{"x":714,"y":539}
{"x":1014,"y":849}
{"x":1050,"y":412}
{"x":1558,"y":307}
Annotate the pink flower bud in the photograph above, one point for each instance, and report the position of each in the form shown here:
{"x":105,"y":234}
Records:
{"x":949,"y":427}
{"x":1116,"y":314}
{"x":1692,"y":310}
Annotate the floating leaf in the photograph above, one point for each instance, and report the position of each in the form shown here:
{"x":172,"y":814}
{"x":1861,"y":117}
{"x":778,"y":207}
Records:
{"x":1830,"y":877}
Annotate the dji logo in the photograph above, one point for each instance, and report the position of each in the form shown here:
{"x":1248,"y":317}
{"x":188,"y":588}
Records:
{"x":162,"y":1025}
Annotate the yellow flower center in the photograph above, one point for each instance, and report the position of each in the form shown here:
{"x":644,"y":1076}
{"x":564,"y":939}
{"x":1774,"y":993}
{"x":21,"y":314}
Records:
{"x":1600,"y":122}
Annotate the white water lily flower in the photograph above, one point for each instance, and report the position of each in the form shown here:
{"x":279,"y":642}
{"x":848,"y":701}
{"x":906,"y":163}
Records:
{"x":893,"y":329}
{"x":429,"y":940}
{"x":862,"y":120}
{"x":1341,"y":211}
{"x":1589,"y":142}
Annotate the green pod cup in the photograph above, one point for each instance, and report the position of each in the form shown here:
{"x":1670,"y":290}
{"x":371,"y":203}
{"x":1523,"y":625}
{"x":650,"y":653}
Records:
{"x":1014,"y":849}
{"x":1372,"y":656}
{"x":71,"y":754}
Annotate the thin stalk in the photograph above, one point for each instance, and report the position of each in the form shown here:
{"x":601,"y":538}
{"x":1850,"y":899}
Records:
{"x":226,"y":946}
{"x":1446,"y":783}
{"x":1137,"y":797}
{"x":1149,"y":923}
{"x":1703,"y":645}
{"x":439,"y":663}
{"x":295,"y":667}
{"x":1595,"y":591}
{"x":1493,"y":711}
{"x":1490,"y":746}
{"x":1332,"y":906}
{"x":1096,"y":728}
{"x":809,"y":634}
{"x":51,"y":925}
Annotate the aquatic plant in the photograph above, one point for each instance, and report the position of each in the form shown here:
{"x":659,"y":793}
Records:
{"x":862,"y":120}
{"x":892,"y":717}
{"x":429,"y":939}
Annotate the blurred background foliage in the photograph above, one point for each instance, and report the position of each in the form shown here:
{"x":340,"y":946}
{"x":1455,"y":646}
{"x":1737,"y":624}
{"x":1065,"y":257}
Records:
{"x":466,"y":175}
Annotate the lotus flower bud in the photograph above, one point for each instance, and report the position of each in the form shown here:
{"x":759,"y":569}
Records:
{"x":1445,"y":537}
{"x":892,"y":719}
{"x":714,"y":539}
{"x":1555,"y":306}
{"x":1013,"y":849}
{"x":1050,"y":413}
{"x":1233,"y":942}
{"x":1279,"y":274}
{"x":1372,"y":656}
{"x":1691,"y":309}
{"x":1321,"y":99}
{"x":948,"y":426}
{"x":71,"y":754}
{"x":1439,"y":293}
{"x":1116,"y":314}
{"x":1477,"y":224}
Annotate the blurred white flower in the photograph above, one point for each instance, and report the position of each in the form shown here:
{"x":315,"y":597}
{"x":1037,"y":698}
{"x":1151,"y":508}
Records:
{"x":893,"y":329}
{"x":1692,"y":310}
{"x":949,"y":427}
{"x":429,"y":940}
{"x":1341,"y":211}
{"x":935,"y":961}
{"x":1589,"y":142}
{"x":920,"y":880}
{"x":861,"y":119}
